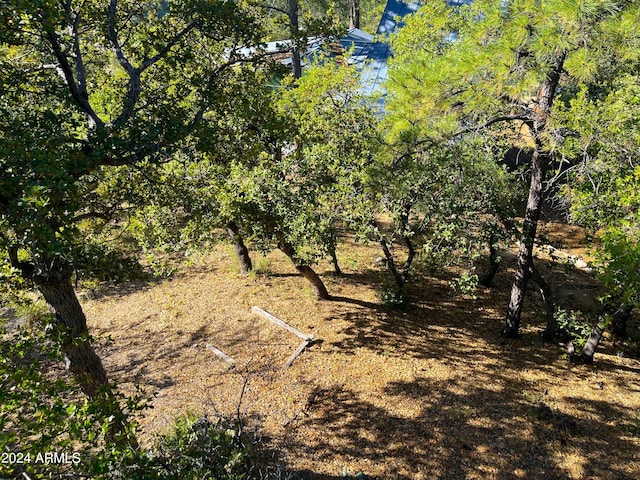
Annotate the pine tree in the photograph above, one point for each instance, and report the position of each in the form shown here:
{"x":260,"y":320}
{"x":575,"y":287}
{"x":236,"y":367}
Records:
{"x":498,"y":68}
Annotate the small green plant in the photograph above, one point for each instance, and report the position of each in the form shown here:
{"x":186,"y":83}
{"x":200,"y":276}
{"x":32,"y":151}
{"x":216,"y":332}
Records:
{"x":466,"y":283}
{"x":262,"y":267}
{"x":575,"y":326}
{"x":394,"y":297}
{"x":197,"y":448}
{"x":13,"y":288}
{"x":160,"y":266}
{"x":353,"y":261}
{"x":631,"y":346}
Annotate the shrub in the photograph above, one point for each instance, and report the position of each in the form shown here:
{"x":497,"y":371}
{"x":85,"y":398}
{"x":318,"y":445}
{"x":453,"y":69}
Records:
{"x":107,"y":262}
{"x":42,"y":412}
{"x":34,"y":313}
{"x":394,"y":297}
{"x":575,"y":326}
{"x":197,"y":449}
{"x":48,"y":429}
{"x":262,"y":267}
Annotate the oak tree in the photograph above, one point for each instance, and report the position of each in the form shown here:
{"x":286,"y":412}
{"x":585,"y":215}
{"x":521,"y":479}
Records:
{"x":87,"y":87}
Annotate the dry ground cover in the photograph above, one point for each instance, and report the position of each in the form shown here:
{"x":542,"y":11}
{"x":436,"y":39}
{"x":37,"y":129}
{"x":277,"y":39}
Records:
{"x":431,"y":392}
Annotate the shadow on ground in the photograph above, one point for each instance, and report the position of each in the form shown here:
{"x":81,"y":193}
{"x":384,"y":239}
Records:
{"x":494,"y":418}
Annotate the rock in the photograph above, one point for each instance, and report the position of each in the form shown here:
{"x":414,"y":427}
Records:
{"x":581,"y":264}
{"x":380,"y":261}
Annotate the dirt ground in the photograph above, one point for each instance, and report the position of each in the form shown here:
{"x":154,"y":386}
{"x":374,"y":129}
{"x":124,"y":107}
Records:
{"x":431,"y":392}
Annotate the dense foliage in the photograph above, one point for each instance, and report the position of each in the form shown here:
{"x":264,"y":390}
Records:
{"x":50,"y":431}
{"x":503,"y":70}
{"x":42,"y":411}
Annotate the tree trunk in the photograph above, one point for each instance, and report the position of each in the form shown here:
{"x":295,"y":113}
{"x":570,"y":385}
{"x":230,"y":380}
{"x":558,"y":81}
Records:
{"x":296,"y":62}
{"x":547,"y":297}
{"x":494,"y":263}
{"x":334,"y":259}
{"x":400,"y":276}
{"x":391,"y":264}
{"x":619,"y":320}
{"x":539,"y":165}
{"x":333,"y":246}
{"x":354,"y":14}
{"x":317,"y":285}
{"x":525,"y":253}
{"x":593,"y":341}
{"x":239,"y":248}
{"x":53,"y":279}
{"x":406,"y":267}
{"x":619,"y":317}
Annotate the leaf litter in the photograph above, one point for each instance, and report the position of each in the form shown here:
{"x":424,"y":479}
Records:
{"x":427,"y":392}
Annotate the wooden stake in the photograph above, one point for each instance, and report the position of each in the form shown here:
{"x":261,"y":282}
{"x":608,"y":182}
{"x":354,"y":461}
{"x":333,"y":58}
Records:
{"x":221,"y":354}
{"x":297,"y":353}
{"x":306,"y":339}
{"x":280,"y":323}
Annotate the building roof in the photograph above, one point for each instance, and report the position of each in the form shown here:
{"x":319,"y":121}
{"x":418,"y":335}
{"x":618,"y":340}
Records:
{"x":371,"y":54}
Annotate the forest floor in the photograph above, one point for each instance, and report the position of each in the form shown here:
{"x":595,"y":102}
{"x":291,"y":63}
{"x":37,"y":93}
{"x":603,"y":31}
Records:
{"x":429,"y":392}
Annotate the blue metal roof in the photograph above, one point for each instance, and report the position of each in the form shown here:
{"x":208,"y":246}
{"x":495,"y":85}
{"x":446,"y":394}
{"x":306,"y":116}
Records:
{"x":368,"y":53}
{"x":371,"y":54}
{"x":393,"y":14}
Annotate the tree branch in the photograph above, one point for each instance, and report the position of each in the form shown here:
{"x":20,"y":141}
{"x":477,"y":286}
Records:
{"x":170,"y":44}
{"x":67,"y":72}
{"x":209,"y":85}
{"x":133,"y":90}
{"x":276,"y":9}
{"x":503,"y":118}
{"x":135,"y":87}
{"x":79,"y":62}
{"x":91,"y":216}
{"x":476,"y":128}
{"x":13,"y":256}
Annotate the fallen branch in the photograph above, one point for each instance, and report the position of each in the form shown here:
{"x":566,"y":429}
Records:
{"x":306,"y":339}
{"x":221,"y":354}
{"x":297,"y":353}
{"x":280,"y":323}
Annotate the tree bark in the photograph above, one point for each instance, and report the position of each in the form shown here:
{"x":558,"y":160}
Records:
{"x":391,"y":264}
{"x":539,"y":165}
{"x":296,"y":62}
{"x":53,"y":280}
{"x":333,"y":246}
{"x":494,"y":263}
{"x":334,"y":259}
{"x":593,"y":341}
{"x":547,"y":297}
{"x":354,"y":14}
{"x":525,"y":253}
{"x":406,"y":267}
{"x":620,"y":317}
{"x":400,"y":276}
{"x":317,"y":285}
{"x":619,"y":320}
{"x":239,"y":248}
